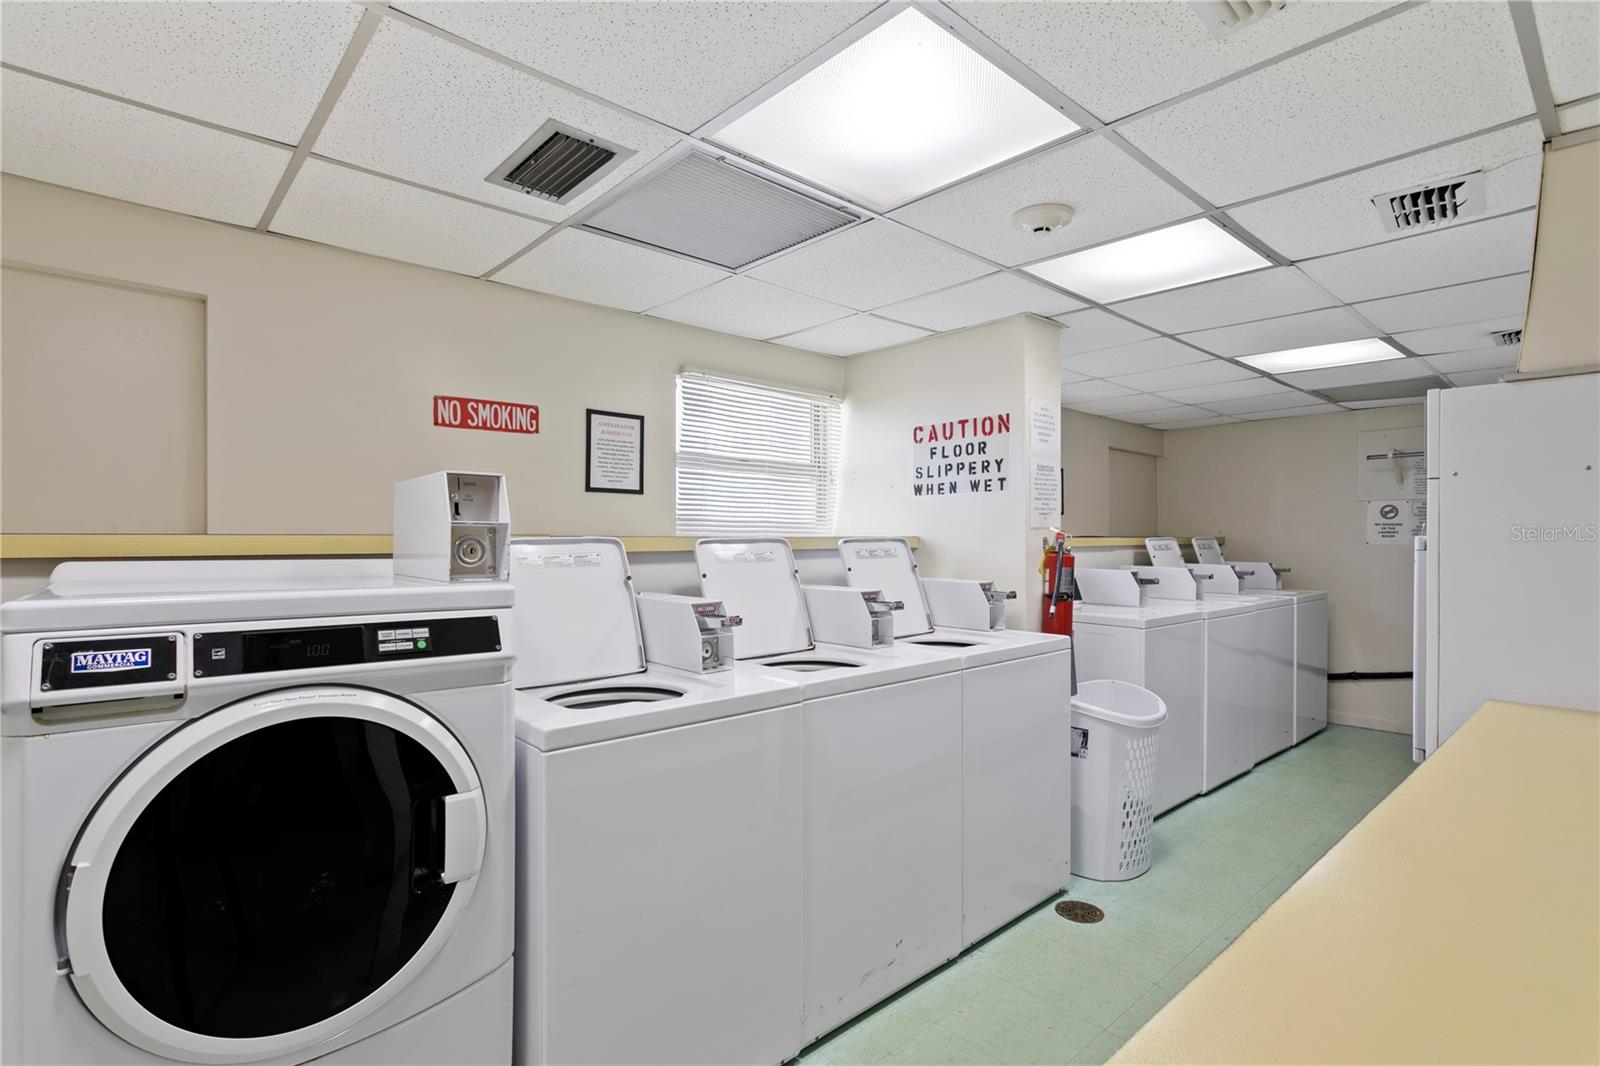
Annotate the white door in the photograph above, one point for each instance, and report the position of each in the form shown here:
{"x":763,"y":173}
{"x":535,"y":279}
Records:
{"x":271,"y":873}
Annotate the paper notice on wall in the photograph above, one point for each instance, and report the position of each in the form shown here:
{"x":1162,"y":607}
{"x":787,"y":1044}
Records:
{"x":1044,"y":466}
{"x":1393,"y":464}
{"x":1044,"y":432}
{"x":1396,"y":521}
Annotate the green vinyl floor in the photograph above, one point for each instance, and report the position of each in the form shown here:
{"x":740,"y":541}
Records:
{"x":1046,"y":990}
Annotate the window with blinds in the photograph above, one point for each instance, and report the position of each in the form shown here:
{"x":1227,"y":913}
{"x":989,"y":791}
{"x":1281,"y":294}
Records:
{"x":755,"y":458}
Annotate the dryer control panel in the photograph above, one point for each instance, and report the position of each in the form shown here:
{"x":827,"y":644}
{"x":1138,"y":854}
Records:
{"x":259,"y":651}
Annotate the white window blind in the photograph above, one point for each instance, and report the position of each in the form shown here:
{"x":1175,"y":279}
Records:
{"x":755,"y":458}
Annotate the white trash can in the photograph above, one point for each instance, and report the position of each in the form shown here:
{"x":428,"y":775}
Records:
{"x":1114,"y":730}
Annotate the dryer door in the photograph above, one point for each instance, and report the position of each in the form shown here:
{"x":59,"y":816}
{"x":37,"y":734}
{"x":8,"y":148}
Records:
{"x":271,"y":873}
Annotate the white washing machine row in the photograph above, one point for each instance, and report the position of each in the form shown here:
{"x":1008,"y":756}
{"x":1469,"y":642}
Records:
{"x":255,"y":812}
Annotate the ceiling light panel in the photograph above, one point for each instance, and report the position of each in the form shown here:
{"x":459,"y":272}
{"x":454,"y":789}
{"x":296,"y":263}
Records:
{"x":1083,"y":391}
{"x":1089,"y":330}
{"x":1155,"y":354}
{"x":871,"y":265}
{"x":984,"y":300}
{"x":1243,"y":298}
{"x":1291,"y":331}
{"x":1567,"y":36}
{"x":432,"y":112}
{"x":748,"y":308}
{"x":1110,"y":193}
{"x":683,"y":64}
{"x":1481,"y":359}
{"x":1443,"y":307}
{"x":1336,"y":215}
{"x":1335,"y":107}
{"x":849,"y":336}
{"x":1185,"y":254}
{"x":73,"y":138}
{"x":599,"y":270}
{"x":1204,"y":395}
{"x":1316,"y":357}
{"x":1210,"y":372}
{"x":1466,"y":252}
{"x":1116,"y":59}
{"x":257,"y":67}
{"x":902,"y":111}
{"x":351,"y":209}
{"x":1466,"y":337}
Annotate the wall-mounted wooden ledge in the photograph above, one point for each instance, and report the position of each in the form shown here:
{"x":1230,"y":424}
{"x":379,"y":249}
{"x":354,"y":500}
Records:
{"x":1076,"y":543}
{"x":233,"y":545}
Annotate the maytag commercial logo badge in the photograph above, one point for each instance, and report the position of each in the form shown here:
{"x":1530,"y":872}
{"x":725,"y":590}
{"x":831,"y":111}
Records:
{"x":107,"y":662}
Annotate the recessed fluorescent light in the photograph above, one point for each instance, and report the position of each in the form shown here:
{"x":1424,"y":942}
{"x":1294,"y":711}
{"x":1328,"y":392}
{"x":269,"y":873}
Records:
{"x":1345,"y":353}
{"x":906,"y":109}
{"x":1184,"y":254}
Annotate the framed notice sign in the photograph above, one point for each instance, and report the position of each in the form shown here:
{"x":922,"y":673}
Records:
{"x":615,"y":447}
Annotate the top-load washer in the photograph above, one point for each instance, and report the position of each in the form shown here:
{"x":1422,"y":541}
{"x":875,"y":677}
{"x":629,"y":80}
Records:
{"x":1016,"y":688}
{"x":1310,"y":634}
{"x":256,"y":811}
{"x":882,"y":743}
{"x":1119,"y":634}
{"x":659,"y":835}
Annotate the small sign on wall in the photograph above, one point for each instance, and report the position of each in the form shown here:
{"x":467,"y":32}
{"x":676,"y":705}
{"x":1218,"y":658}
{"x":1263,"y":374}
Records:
{"x":615,"y":448}
{"x":496,"y":416}
{"x":961,"y":456}
{"x":1396,"y":521}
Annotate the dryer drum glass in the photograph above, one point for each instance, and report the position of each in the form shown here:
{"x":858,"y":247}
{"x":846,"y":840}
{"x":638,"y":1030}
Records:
{"x":281,"y":879}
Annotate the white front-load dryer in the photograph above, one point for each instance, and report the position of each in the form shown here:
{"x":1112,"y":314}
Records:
{"x":255,"y":812}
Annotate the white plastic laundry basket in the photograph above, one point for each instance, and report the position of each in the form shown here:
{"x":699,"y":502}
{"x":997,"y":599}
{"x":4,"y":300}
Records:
{"x":1115,"y":726}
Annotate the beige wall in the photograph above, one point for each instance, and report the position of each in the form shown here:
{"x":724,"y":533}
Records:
{"x":1133,"y":493}
{"x":320,"y":365}
{"x":1284,"y":491}
{"x":1087,"y":442}
{"x":1563,"y":327}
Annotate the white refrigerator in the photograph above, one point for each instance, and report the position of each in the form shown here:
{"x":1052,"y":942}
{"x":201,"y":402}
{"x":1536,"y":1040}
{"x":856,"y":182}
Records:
{"x":1508,"y":576}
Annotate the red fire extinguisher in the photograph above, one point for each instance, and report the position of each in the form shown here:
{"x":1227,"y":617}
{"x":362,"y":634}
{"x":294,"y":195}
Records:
{"x":1059,"y":587}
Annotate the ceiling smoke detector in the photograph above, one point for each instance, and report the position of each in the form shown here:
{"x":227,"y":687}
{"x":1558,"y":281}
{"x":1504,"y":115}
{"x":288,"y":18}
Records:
{"x":1040,"y":219}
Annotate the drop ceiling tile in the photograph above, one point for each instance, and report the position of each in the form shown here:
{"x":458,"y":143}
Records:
{"x":1154,"y":354}
{"x":1326,"y":326}
{"x":1337,"y":214}
{"x":257,"y":67}
{"x":1501,"y":358}
{"x":1366,"y":405}
{"x":1575,"y":117}
{"x":1568,"y":33}
{"x":1466,"y":337}
{"x":1477,"y":377}
{"x":1267,"y":401}
{"x":1196,"y":423}
{"x":1160,"y":417}
{"x":598,"y":270}
{"x":73,"y":138}
{"x":1358,"y":374}
{"x":870,"y":265}
{"x":683,"y":64}
{"x":1443,"y":307}
{"x":1338,"y":106}
{"x":1084,"y":391}
{"x":1115,"y":59}
{"x":351,"y":209}
{"x":1205,"y":395}
{"x":749,"y":308}
{"x":1464,"y":252}
{"x":421,"y":108}
{"x":1122,"y":404}
{"x":1242,"y":298}
{"x":1068,"y":377}
{"x":1293,"y":412}
{"x":858,"y":333}
{"x":1110,"y":194}
{"x":1089,"y":330}
{"x":1210,"y":372}
{"x":999,"y":295}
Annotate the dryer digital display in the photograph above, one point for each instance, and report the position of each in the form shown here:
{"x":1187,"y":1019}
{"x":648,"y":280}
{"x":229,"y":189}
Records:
{"x":259,"y":651}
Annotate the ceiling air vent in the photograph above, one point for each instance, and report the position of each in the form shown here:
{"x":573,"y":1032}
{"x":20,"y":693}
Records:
{"x":1224,"y":18}
{"x":1507,"y":338}
{"x":709,"y":209}
{"x":557,"y":163}
{"x":1434,"y":204}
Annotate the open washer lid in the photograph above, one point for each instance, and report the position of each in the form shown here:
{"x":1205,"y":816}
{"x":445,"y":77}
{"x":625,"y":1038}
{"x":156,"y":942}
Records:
{"x":576,"y":614}
{"x":886,"y":563}
{"x":756,"y":579}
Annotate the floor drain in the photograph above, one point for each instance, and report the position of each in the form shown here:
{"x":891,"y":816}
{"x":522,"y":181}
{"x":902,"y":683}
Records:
{"x":1076,"y":910}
